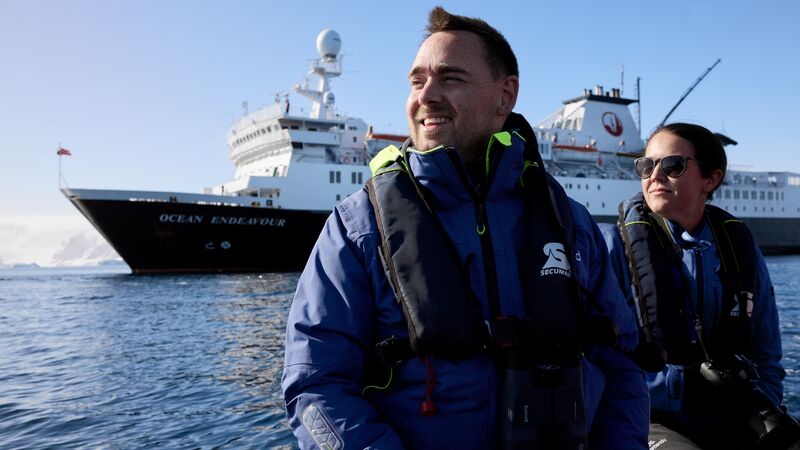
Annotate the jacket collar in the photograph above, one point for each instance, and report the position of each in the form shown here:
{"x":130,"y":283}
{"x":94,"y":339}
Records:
{"x":442,"y":171}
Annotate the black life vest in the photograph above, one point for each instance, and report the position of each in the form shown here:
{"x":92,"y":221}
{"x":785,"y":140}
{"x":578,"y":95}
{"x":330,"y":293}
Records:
{"x":442,"y":313}
{"x":661,"y":292}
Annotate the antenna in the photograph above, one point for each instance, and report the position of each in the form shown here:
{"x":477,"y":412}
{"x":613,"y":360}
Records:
{"x":639,"y":106}
{"x":686,"y":94}
{"x":622,"y":81}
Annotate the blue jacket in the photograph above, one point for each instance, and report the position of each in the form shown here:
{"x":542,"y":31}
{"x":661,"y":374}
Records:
{"x":344,"y":305}
{"x":700,"y":256}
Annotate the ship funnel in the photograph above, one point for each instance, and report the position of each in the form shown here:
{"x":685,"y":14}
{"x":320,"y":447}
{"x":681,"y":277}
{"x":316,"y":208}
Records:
{"x":598,"y":90}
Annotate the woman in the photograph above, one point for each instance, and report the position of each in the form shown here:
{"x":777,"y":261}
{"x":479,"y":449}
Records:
{"x":701,"y":290}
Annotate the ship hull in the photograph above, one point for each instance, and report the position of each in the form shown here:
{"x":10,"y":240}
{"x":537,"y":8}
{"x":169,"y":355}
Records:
{"x":163,"y":237}
{"x":178,"y":237}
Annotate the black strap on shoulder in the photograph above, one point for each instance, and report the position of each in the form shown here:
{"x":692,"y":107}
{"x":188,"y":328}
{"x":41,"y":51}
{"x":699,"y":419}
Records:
{"x":737,"y":255}
{"x":440,"y":311}
{"x":659,"y":290}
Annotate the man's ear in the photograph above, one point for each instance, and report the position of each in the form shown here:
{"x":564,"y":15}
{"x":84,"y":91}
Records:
{"x":508,"y":91}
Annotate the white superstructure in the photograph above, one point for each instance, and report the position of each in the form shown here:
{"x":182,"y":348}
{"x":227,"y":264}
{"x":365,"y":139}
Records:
{"x":589,"y":146}
{"x":296,"y":161}
{"x":311,"y":162}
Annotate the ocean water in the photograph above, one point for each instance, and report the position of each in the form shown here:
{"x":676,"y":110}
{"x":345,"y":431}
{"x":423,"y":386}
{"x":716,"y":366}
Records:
{"x":98,"y":358}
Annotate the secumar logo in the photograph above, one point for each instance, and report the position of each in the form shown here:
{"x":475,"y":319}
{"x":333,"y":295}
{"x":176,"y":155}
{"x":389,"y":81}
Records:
{"x":612,"y":124}
{"x":557,"y":262}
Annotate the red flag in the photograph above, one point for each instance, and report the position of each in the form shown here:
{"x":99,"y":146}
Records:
{"x":63,"y":152}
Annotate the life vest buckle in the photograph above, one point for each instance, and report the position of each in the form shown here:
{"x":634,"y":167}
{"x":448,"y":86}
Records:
{"x":392,"y":352}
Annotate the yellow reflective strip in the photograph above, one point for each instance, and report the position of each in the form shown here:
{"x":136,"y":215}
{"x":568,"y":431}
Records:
{"x":481,"y":229}
{"x":734,"y":221}
{"x":387,"y":170}
{"x":520,"y":136}
{"x":503,"y":137}
{"x":384,"y":157}
{"x":640,"y":222}
{"x":425,"y":152}
{"x":381,"y":388}
{"x":525,"y":165}
{"x":667,"y":227}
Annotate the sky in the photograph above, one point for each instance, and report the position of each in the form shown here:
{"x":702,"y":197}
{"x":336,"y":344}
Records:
{"x":143,"y":92}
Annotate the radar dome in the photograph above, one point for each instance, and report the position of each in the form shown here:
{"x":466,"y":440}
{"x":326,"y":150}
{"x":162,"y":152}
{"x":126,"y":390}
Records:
{"x":328,"y":44}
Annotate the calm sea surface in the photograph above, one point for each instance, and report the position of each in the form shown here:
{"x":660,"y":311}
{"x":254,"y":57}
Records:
{"x":98,"y":358}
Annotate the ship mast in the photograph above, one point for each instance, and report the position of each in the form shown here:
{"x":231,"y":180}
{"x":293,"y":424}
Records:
{"x":328,"y":66}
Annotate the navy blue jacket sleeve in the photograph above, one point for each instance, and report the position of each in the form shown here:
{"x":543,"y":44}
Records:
{"x":329,"y":331}
{"x":622,"y":418}
{"x":766,"y":350}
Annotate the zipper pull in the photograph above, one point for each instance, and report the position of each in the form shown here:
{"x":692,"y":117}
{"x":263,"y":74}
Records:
{"x":481,"y":213}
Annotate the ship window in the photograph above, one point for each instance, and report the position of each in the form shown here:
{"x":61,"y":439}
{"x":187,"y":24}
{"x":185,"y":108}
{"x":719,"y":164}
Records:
{"x":761,"y":196}
{"x":744,"y":208}
{"x":353,"y":177}
{"x":312,"y":129}
{"x":338,"y":197}
{"x":744,"y":194}
{"x":355,"y":139}
{"x":360,"y":177}
{"x":351,"y":128}
{"x":781,"y":196}
{"x":341,"y":126}
{"x":579,"y":186}
{"x":297,"y":145}
{"x":587,"y":186}
{"x":769,"y":195}
{"x":763,"y":208}
{"x":735,"y":207}
{"x":332,"y":177}
{"x":294,"y":127}
{"x":781,"y":208}
{"x":736,"y":194}
{"x":771,"y":209}
{"x":603,"y":204}
{"x":727,"y":193}
{"x":587,"y":204}
{"x":598,"y":187}
{"x":338,"y":176}
{"x":753,"y":194}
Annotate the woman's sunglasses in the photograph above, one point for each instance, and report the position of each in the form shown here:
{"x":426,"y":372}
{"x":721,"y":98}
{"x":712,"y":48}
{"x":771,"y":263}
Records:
{"x":672,"y":166}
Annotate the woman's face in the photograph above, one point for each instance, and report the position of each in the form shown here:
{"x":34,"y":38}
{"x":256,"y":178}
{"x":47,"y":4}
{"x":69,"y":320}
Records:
{"x":680,"y":199}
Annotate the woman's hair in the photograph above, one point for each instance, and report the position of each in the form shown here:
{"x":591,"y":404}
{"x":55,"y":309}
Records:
{"x":708,"y":149}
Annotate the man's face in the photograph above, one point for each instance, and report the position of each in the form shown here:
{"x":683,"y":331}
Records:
{"x":455,"y":100}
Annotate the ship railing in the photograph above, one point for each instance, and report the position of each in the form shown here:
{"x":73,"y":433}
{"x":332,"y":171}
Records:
{"x":159,"y":197}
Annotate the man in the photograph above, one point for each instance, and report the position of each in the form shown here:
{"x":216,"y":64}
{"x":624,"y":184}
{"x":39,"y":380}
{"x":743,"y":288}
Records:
{"x":447,"y":304}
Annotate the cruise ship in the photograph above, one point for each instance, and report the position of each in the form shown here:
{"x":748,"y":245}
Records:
{"x":292,"y":169}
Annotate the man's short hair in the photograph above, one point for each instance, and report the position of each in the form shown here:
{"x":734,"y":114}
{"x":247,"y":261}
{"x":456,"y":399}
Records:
{"x":500,"y":57}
